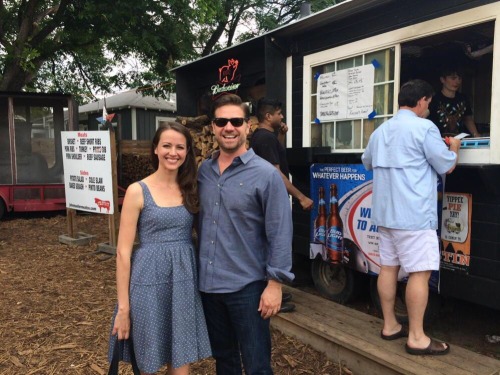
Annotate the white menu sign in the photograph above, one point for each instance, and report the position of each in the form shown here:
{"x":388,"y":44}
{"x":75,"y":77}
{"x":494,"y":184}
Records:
{"x":88,"y":181}
{"x":346,"y":94}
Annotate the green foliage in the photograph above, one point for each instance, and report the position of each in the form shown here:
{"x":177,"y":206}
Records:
{"x":251,"y":18}
{"x":206,"y":11}
{"x":85,"y":47}
{"x":277,"y":13}
{"x":27,"y":58}
{"x":73,"y":45}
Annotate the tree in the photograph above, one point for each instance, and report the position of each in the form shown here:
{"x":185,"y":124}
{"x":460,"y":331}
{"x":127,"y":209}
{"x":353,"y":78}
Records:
{"x":256,"y":16}
{"x":219,"y":32}
{"x":83,"y":46}
{"x":72,"y":45}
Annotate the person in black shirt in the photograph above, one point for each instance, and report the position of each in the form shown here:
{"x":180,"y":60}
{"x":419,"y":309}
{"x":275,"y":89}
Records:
{"x":449,"y":109}
{"x":267,"y":142}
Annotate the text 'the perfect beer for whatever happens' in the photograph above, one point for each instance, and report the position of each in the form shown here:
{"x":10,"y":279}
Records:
{"x":334,"y":228}
{"x":320,"y":221}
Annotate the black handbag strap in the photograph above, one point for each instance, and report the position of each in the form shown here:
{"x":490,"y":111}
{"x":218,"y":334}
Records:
{"x":113,"y":367}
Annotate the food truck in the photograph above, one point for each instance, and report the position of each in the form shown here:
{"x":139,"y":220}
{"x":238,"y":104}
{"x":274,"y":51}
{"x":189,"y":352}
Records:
{"x":31,"y":166}
{"x":338,"y":74}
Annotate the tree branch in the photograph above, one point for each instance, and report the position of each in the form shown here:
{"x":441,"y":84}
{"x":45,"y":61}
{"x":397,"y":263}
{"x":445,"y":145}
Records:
{"x":39,"y":17}
{"x":3,"y":16}
{"x":52,"y":24}
{"x":83,"y":73}
{"x":234,"y":23}
{"x":25,"y":18}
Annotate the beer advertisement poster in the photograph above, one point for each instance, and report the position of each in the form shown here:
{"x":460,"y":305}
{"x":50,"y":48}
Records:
{"x":455,"y":231}
{"x":87,"y":171}
{"x":345,"y":190}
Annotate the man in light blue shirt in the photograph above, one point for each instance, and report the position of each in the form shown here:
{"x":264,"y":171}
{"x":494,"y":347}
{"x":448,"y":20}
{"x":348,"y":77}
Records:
{"x":406,"y":154}
{"x":245,"y":245}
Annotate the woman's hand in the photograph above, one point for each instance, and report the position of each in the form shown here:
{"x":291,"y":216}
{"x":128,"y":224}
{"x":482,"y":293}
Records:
{"x":122,"y":325}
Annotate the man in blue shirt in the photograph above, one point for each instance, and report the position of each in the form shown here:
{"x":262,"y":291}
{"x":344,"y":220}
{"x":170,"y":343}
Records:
{"x":245,"y":244}
{"x":406,"y":154}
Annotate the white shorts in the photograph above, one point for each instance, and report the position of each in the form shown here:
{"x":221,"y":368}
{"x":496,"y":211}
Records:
{"x":413,"y":250}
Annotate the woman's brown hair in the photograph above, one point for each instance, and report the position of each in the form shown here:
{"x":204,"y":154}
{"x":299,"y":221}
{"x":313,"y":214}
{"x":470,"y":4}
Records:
{"x":186,"y":177}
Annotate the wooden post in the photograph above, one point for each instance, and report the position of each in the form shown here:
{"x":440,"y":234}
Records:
{"x":113,"y":219}
{"x":70,"y":218}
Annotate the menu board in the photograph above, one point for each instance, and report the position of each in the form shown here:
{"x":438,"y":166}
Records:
{"x":88,"y":179}
{"x":345,"y":94}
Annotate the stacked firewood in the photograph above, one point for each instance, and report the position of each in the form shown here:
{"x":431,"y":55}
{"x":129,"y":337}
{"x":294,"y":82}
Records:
{"x":137,"y":165}
{"x":203,"y":137}
{"x":134,"y":167}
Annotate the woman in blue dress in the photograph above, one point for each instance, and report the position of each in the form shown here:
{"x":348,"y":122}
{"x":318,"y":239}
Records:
{"x":159,"y":306}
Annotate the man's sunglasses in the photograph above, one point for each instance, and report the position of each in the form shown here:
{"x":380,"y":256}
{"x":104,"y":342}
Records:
{"x":235,"y":121}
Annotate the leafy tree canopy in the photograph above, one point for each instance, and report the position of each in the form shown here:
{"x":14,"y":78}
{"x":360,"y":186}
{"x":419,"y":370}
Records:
{"x":81,"y":46}
{"x":86,"y":47}
{"x":239,"y":20}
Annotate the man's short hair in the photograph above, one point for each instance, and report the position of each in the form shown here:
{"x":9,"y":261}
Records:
{"x":267,"y":105}
{"x":227,"y":99}
{"x":450,"y":70}
{"x":412,"y":91}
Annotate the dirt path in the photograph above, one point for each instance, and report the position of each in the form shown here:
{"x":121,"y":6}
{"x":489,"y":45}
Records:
{"x":56,"y":303}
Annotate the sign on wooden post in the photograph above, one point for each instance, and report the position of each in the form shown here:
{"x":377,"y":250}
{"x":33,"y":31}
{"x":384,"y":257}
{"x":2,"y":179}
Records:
{"x":88,"y":178}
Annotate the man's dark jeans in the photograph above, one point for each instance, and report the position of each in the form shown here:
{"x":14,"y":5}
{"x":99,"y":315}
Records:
{"x":235,"y":325}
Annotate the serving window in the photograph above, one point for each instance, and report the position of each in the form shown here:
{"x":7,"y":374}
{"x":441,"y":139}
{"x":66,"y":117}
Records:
{"x":468,"y":50}
{"x":465,"y":40}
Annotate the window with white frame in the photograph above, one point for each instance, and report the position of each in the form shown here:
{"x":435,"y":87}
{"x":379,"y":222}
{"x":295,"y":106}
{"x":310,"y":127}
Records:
{"x":348,"y":135}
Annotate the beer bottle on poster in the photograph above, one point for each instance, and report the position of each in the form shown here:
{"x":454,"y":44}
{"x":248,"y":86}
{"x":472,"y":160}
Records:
{"x":334,"y":229}
{"x":320,"y":221}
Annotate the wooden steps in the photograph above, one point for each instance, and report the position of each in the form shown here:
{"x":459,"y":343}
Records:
{"x":352,"y":338}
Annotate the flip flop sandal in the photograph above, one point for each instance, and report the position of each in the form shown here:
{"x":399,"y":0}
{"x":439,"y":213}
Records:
{"x":287,"y":307}
{"x":435,"y":348}
{"x":286,"y":297}
{"x":403,"y":332}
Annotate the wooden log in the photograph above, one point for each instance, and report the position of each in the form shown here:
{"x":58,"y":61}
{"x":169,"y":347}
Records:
{"x":135,"y":147}
{"x":194,"y":122}
{"x":135,"y":168}
{"x":207,"y":130}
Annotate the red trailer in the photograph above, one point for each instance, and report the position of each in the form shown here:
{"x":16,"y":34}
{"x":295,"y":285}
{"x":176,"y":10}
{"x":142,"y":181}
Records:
{"x":31,"y":167}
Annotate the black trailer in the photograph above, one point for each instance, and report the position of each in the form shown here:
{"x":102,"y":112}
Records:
{"x":404,"y":39}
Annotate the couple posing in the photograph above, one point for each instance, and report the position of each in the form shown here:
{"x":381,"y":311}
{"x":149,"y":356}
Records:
{"x":245,"y":235}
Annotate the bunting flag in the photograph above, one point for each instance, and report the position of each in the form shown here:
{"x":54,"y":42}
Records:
{"x":105,"y":116}
{"x":104,"y":113}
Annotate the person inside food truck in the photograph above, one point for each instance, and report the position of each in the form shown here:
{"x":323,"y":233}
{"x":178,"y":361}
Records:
{"x":450,"y":110}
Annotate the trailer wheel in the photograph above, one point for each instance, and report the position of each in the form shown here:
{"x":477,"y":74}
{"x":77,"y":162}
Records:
{"x":334,"y":281}
{"x":3,"y":209}
{"x":431,"y":312}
